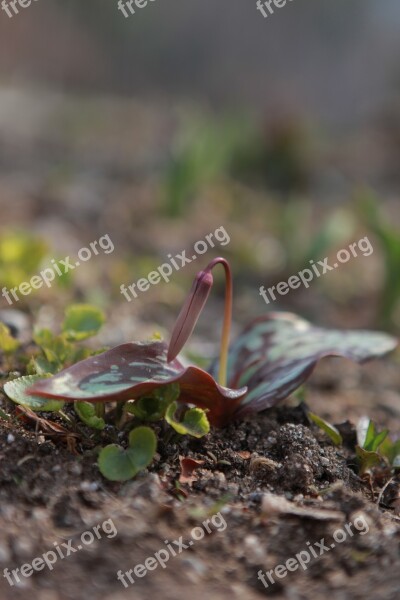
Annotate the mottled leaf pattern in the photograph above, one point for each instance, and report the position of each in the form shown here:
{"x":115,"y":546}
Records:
{"x":277,"y":352}
{"x":133,"y":370}
{"x":274,"y":355}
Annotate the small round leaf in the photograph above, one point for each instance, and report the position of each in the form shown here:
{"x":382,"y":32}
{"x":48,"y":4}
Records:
{"x":117,"y":464}
{"x":82,"y":321}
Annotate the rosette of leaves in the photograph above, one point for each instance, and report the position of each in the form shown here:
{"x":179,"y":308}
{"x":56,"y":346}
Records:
{"x":273,"y":356}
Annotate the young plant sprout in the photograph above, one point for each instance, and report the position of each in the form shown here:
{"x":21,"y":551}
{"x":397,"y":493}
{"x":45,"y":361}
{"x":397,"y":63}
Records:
{"x":273,"y":356}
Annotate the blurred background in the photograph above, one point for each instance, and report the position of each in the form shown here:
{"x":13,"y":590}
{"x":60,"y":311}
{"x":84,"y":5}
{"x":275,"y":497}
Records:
{"x":185,"y":117}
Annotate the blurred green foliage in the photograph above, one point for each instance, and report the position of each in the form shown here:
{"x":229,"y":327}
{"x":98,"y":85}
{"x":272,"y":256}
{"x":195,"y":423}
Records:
{"x":21,"y":255}
{"x":388,"y":238}
{"x":275,"y":157}
{"x":296,"y":222}
{"x":8,"y":344}
{"x":58,"y":351}
{"x":201,"y":155}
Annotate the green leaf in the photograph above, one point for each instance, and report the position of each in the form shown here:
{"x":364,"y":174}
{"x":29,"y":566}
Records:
{"x":153,"y":406}
{"x":146,"y":408}
{"x":117,"y":464}
{"x":368,"y":438}
{"x":82,"y":321}
{"x":86,"y":411}
{"x":143,"y":442}
{"x":56,"y":349}
{"x":367,"y":459}
{"x":43,"y":337}
{"x":15,"y":390}
{"x":8,"y":344}
{"x":375,"y":443}
{"x":329,"y":429}
{"x":391,"y":450}
{"x":41,"y":366}
{"x":194,"y":422}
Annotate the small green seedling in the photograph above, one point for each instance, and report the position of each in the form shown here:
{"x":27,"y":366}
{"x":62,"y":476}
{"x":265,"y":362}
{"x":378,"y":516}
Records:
{"x":193,"y":421}
{"x":88,"y":414}
{"x":119,"y":464}
{"x":154,"y":405}
{"x":375,"y":448}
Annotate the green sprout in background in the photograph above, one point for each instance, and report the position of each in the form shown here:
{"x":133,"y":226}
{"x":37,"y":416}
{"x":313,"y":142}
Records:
{"x":388,"y":239}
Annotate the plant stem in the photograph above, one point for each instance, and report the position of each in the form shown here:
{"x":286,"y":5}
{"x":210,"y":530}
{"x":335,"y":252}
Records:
{"x":99,"y":409}
{"x":226,"y":327}
{"x":120,"y":414}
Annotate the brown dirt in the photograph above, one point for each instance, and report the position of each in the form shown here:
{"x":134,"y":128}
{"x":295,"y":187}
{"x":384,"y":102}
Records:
{"x":49,"y":495}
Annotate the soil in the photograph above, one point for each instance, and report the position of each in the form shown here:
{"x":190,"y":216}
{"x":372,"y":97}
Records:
{"x":275,"y":479}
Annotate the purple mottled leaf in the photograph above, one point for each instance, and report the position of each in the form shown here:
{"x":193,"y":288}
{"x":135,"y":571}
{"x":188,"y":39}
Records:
{"x":276,"y":353}
{"x":133,"y":370}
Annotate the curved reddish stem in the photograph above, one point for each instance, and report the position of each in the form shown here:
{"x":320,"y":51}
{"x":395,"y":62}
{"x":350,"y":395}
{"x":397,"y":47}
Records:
{"x":191,"y":311}
{"x":226,"y":327}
